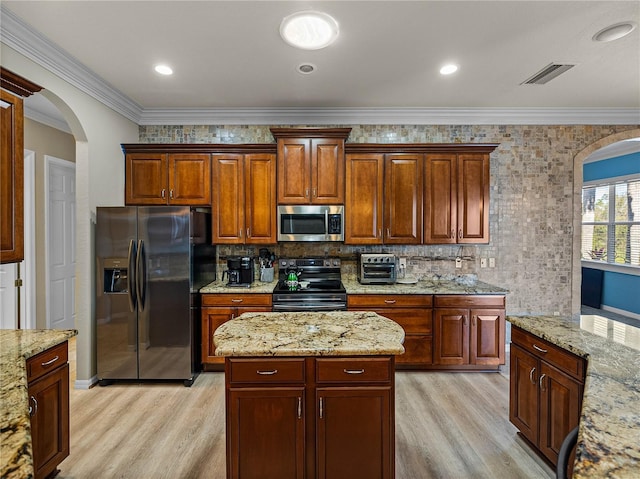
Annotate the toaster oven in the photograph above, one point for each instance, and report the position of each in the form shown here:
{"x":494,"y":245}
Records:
{"x":377,"y":268}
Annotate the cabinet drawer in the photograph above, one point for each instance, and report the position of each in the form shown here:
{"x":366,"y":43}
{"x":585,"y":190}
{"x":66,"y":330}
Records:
{"x":413,"y":321}
{"x":332,"y":370}
{"x":561,"y":358}
{"x":236,"y":300}
{"x":469,"y":301}
{"x":266,"y":370}
{"x":46,"y":361}
{"x":389,"y":300}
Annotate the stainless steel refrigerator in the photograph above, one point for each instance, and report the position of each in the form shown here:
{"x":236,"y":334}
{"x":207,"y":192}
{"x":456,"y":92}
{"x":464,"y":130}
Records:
{"x":150,"y":264}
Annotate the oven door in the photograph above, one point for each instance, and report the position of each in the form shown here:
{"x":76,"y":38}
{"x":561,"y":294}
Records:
{"x":284,"y":302}
{"x":378,"y":273}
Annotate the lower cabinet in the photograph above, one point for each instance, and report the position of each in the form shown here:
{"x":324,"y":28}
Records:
{"x":48,"y":389}
{"x":328,"y":418}
{"x":411,"y":311}
{"x":219,"y":308}
{"x":545,"y":394}
{"x":469,"y":331}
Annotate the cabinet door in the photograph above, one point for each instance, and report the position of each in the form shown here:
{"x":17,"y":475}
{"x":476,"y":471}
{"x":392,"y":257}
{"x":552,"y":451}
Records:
{"x":523,"y":393}
{"x":363,"y":199}
{"x":11,"y":178}
{"x":473,"y":198}
{"x":146,"y":179}
{"x":49,"y":403}
{"x":451,"y":336}
{"x":354,"y":430}
{"x":260,"y":198}
{"x":487,"y":337}
{"x":327,"y":171}
{"x":228,"y":199}
{"x":560,"y":399}
{"x":440,"y":199}
{"x":211,"y":318}
{"x":190,"y":179}
{"x":294,"y":165}
{"x":265,"y":433}
{"x":403,"y":199}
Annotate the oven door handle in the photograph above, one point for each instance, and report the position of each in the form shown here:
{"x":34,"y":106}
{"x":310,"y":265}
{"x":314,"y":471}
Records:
{"x":289,"y":308}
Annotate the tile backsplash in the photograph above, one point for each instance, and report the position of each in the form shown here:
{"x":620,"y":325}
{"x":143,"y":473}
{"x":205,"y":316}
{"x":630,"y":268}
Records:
{"x":531,"y":207}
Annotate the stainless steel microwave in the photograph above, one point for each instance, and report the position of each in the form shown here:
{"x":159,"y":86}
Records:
{"x":310,"y":223}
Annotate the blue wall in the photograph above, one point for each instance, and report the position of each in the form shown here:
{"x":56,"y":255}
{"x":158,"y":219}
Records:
{"x":619,"y":290}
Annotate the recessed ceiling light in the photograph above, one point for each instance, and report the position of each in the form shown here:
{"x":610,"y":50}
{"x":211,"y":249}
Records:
{"x":613,"y":32}
{"x":306,"y":68}
{"x":448,"y":69}
{"x":163,"y":69}
{"x":309,"y":30}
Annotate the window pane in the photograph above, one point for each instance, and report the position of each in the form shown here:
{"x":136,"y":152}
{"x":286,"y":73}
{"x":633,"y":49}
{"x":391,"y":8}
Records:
{"x":628,"y":201}
{"x":594,"y":242}
{"x":627,"y":244}
{"x":595,"y":203}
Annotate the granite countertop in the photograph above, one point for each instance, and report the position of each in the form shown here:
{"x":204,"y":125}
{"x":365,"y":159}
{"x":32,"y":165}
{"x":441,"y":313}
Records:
{"x":609,"y":432}
{"x":16,"y":346}
{"x":336,"y":333}
{"x":221,"y":287}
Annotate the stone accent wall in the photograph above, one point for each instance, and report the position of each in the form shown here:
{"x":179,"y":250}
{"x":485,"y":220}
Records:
{"x":531,"y":208}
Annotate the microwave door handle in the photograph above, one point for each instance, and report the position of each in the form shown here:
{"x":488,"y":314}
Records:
{"x":326,"y":224}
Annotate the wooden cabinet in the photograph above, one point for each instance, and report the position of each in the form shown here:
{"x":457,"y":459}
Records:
{"x":413,"y":313}
{"x":469,"y":331}
{"x":219,"y":308}
{"x":48,"y":389}
{"x":456,"y":198}
{"x":383,"y":198}
{"x":310,"y":165}
{"x":154,"y":178}
{"x":244,"y":203}
{"x":545,"y":394}
{"x":328,"y":418}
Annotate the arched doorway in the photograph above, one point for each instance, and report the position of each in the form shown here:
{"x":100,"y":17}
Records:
{"x":578,"y":163}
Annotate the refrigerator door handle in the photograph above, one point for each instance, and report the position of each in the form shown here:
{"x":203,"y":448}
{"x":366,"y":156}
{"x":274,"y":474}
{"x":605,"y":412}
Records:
{"x":141,"y":275}
{"x":131,"y":276}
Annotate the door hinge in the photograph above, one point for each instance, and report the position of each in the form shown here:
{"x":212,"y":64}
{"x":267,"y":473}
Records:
{"x":18,"y":283}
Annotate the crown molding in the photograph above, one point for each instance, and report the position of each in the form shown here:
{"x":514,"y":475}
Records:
{"x":30,"y":43}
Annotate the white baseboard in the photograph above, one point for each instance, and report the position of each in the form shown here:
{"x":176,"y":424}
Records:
{"x":622,"y":312}
{"x":85,"y":383}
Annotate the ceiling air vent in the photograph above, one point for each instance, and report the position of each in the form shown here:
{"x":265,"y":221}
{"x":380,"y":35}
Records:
{"x":547,"y":74}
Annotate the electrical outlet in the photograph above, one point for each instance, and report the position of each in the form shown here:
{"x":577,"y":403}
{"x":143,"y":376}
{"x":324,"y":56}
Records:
{"x":483,"y":262}
{"x":458,"y":262}
{"x":492,"y":262}
{"x":402,"y":263}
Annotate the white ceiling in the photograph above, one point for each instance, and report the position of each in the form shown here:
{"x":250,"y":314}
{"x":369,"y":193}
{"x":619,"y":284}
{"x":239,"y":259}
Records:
{"x":228,"y":56}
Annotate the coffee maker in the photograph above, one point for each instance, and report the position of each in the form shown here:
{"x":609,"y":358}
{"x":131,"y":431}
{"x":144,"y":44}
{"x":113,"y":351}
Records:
{"x":239,"y":271}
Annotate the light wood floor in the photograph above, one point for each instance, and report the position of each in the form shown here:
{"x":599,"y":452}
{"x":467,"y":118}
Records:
{"x":448,"y":425}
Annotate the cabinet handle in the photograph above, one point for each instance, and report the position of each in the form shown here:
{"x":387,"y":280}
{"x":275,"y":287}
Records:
{"x":248,"y":233}
{"x":354,"y":371}
{"x":379,"y":233}
{"x":321,"y":408}
{"x":460,"y":233}
{"x":237,"y":300}
{"x":464,"y":320}
{"x":33,"y":410}
{"x":315,"y":193}
{"x":50,"y":362}
{"x":390,"y":301}
{"x":233,"y":315}
{"x":538,"y":348}
{"x":453,"y":234}
{"x":267,"y":373}
{"x":299,"y":407}
{"x":171,"y":193}
{"x":542,"y":388}
{"x":306,"y":193}
{"x":388,"y":233}
{"x":531,"y":373}
{"x":163,"y":193}
{"x":473,"y":320}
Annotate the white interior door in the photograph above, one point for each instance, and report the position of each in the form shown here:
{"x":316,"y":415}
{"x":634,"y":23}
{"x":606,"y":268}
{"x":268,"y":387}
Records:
{"x":8,"y":297}
{"x":61,"y":249}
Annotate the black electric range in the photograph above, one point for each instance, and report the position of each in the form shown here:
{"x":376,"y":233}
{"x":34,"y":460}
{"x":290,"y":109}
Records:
{"x":325,"y":291}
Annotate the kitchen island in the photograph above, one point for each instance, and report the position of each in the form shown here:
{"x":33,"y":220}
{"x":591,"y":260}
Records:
{"x":16,"y":348}
{"x":310,"y":394}
{"x":609,"y":424}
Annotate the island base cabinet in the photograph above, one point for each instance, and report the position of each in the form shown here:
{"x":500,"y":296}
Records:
{"x":265,"y":431}
{"x":353,"y":433}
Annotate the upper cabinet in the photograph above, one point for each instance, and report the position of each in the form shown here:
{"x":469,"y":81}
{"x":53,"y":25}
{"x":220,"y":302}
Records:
{"x":244,"y":203}
{"x":311,"y":165}
{"x":168,"y":179}
{"x":456,"y":198}
{"x":14,"y":88}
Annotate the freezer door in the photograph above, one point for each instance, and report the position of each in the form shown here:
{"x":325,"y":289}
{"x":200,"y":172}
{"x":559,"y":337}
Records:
{"x":164,"y":319}
{"x":116,"y":318}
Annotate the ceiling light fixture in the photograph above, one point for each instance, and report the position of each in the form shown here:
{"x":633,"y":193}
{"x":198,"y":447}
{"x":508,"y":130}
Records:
{"x":309,"y":30}
{"x":163,"y":70}
{"x":614,"y":32}
{"x":448,"y":69}
{"x":306,"y":68}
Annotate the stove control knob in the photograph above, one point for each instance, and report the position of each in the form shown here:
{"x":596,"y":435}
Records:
{"x":283,"y":263}
{"x":336,"y":262}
